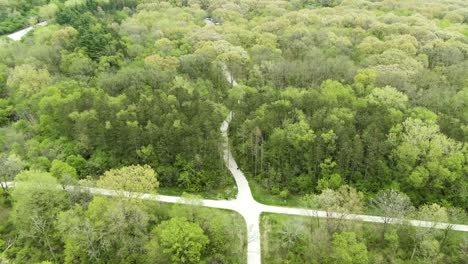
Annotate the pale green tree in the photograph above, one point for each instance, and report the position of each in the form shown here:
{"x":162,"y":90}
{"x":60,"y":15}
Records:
{"x":425,"y":244}
{"x":65,"y":173}
{"x":427,"y":160}
{"x":47,"y":12}
{"x":135,"y":178}
{"x":109,"y":230}
{"x":26,"y":80}
{"x":183,"y":241}
{"x":338,"y":204}
{"x":10,"y":166}
{"x":37,"y":201}
{"x":347,"y":250}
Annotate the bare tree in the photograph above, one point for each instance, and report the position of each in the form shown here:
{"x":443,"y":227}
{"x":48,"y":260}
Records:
{"x":338,"y":205}
{"x":391,"y":205}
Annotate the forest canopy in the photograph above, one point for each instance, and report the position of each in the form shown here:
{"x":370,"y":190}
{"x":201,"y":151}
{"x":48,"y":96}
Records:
{"x":335,"y":97}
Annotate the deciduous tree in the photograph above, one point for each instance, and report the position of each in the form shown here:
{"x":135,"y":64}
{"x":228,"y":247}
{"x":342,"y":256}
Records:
{"x":183,"y":241}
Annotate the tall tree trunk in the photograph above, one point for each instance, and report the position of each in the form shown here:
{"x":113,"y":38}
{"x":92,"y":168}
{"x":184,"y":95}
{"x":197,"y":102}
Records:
{"x":261,"y":157}
{"x":414,"y":250}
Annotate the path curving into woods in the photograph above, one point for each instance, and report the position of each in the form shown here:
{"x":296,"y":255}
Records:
{"x":20,"y":34}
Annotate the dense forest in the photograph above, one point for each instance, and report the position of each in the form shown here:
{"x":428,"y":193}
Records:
{"x":98,"y":97}
{"x":335,"y":97}
{"x":17,"y":14}
{"x":369,"y":94}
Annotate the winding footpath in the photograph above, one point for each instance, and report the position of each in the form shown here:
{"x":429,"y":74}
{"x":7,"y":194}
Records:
{"x":245,"y":204}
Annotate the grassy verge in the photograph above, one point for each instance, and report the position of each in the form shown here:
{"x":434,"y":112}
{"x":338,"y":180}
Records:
{"x":226,"y":193}
{"x":261,"y":195}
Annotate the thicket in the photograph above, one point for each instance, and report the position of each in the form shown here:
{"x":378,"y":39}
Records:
{"x":42,"y":222}
{"x":289,"y":239}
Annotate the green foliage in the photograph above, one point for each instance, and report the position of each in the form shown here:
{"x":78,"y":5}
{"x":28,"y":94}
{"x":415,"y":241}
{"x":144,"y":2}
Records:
{"x":78,"y":163}
{"x":345,"y":200}
{"x":108,"y":231}
{"x":36,"y":203}
{"x":427,"y":160}
{"x":294,"y":239}
{"x":332,"y":94}
{"x":328,"y":3}
{"x":103,"y":230}
{"x":352,"y":116}
{"x":26,"y":80}
{"x":61,"y":169}
{"x":354,"y":139}
{"x":183,"y":241}
{"x":77,"y":65}
{"x":14,"y":15}
{"x":140,"y":179}
{"x":10,"y":166}
{"x":11,"y":24}
{"x":346,"y":249}
{"x":66,"y":174}
{"x":6,"y":111}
